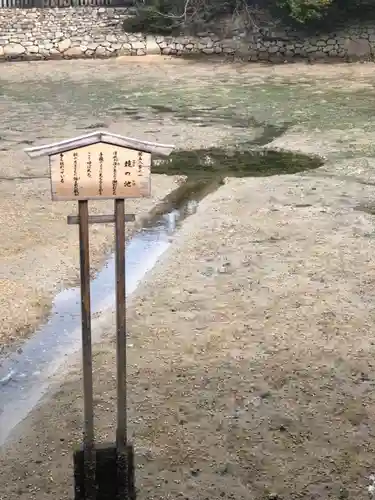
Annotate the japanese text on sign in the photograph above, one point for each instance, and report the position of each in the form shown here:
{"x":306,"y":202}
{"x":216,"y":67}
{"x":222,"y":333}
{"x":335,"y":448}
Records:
{"x":100,"y":171}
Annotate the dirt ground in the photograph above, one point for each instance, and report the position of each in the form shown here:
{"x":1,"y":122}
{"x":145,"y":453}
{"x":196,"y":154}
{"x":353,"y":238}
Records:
{"x":251,"y":370}
{"x":251,"y":358}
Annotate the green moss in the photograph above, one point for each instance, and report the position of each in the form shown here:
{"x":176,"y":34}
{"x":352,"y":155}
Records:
{"x":219,"y":163}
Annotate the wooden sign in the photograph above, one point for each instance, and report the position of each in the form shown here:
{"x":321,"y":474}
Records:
{"x":100,"y":165}
{"x":100,"y":171}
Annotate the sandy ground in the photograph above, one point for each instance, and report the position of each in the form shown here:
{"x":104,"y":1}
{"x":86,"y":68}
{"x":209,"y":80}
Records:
{"x":250,"y":370}
{"x":251,"y":358}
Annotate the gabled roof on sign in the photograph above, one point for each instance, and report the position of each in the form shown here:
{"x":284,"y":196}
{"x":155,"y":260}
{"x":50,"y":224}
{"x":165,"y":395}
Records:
{"x":96,"y":137}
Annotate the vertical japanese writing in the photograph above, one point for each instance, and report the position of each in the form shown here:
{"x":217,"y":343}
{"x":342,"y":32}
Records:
{"x":115,"y":166}
{"x":75,"y":175}
{"x":129,"y":184}
{"x":89,"y":165}
{"x":101,"y":159}
{"x":140,"y":162}
{"x":127,"y":173}
{"x":62,"y":168}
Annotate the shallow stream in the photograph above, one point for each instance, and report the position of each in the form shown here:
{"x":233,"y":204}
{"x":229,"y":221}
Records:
{"x":24,"y":374}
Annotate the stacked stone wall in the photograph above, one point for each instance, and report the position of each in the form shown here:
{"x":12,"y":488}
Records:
{"x":66,"y":33}
{"x":78,"y":32}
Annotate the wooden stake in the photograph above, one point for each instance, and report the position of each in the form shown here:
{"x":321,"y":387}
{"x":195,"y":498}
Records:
{"x":121,"y":431}
{"x":88,"y":440}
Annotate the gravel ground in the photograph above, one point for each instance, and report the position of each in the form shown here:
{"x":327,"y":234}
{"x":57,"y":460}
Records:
{"x":251,"y":357}
{"x":250,"y":366}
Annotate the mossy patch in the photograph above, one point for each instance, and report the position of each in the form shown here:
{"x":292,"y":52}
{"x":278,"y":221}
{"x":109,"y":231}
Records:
{"x":220,"y":163}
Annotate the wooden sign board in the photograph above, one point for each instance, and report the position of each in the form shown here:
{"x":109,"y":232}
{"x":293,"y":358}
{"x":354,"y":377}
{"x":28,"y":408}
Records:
{"x":100,"y":171}
{"x":100,"y":165}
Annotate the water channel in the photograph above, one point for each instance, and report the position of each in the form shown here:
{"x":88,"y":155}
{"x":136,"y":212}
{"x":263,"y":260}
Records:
{"x":25,"y":374}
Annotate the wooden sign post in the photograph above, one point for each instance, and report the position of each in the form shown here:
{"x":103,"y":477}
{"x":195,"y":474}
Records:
{"x":103,"y":166}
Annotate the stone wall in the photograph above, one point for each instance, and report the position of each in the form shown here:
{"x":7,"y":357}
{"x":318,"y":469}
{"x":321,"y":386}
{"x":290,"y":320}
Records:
{"x":97,"y":32}
{"x":66,"y":33}
{"x":278,"y":45}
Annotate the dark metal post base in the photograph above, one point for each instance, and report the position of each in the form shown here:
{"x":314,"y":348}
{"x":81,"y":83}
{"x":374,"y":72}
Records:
{"x":114,"y":477}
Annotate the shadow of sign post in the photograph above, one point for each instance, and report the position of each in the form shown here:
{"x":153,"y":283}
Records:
{"x":101,"y":165}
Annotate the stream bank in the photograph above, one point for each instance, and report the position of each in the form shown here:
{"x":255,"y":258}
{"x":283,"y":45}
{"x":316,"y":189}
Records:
{"x":25,"y":372}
